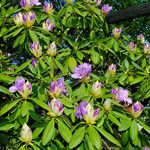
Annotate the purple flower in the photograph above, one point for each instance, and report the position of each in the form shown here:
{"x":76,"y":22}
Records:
{"x":137,"y":109}
{"x":82,"y":71}
{"x":96,"y":88}
{"x":106,"y":9}
{"x":36,"y":49}
{"x":147,"y":48}
{"x":112,"y":69}
{"x":27,"y":4}
{"x":56,"y":108}
{"x":132,"y":46}
{"x":116,"y":32}
{"x":23,"y":88}
{"x":47,"y":25}
{"x":146,"y":148}
{"x":18,"y":19}
{"x":34,"y":62}
{"x":86,"y":111}
{"x":141,"y":38}
{"x":107,"y":104}
{"x":98,"y":2}
{"x":121,"y":95}
{"x":57,"y":87}
{"x":48,"y":7}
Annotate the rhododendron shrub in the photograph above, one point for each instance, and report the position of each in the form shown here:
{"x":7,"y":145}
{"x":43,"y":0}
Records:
{"x":68,"y":80}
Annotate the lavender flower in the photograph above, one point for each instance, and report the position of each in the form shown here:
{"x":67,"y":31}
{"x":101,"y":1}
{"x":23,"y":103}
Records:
{"x":29,"y":18}
{"x":121,"y":95}
{"x":116,"y":32}
{"x":23,"y":88}
{"x":98,"y":2}
{"x":48,"y":7}
{"x":18,"y":19}
{"x":82,"y":71}
{"x":137,"y":109}
{"x":141,"y":38}
{"x":47,"y":25}
{"x":27,"y":4}
{"x":112,"y":69}
{"x":34,"y":62}
{"x":132,"y":46}
{"x":106,"y":9}
{"x":87,"y":112}
{"x":57,"y":87}
{"x":26,"y":134}
{"x":52,"y":49}
{"x":147,"y":48}
{"x":96,"y":88}
{"x":56,"y":108}
{"x":36,"y":49}
{"x":146,"y":148}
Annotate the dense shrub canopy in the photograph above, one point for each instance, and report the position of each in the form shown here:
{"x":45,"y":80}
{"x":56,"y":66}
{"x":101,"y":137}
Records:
{"x":71,"y":81}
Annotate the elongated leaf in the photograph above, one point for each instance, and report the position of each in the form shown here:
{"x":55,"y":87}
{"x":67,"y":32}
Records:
{"x":77,"y":137}
{"x":5,"y":127}
{"x":146,"y":127}
{"x":113,"y":119}
{"x":60,"y":66}
{"x":7,"y":107}
{"x":24,"y":65}
{"x":95,"y":138}
{"x":25,"y":108}
{"x":41,"y":104}
{"x":72,"y":63}
{"x":48,"y":132}
{"x":33,"y":36}
{"x":134,"y":132}
{"x":125,"y":124}
{"x":108,"y":136}
{"x":64,"y":131}
{"x":37,"y":131}
{"x":5,"y":90}
{"x":17,"y":31}
{"x":6,"y":78}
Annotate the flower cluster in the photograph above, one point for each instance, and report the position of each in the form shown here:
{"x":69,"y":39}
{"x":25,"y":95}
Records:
{"x":141,"y":38}
{"x":57,"y":87}
{"x":147,"y":48}
{"x":98,"y":2}
{"x":106,"y":9}
{"x":96,"y":88}
{"x":121,"y":95}
{"x":26,"y":134}
{"x":112,"y":69}
{"x":52,"y":49}
{"x":24,"y":88}
{"x":27,"y":4}
{"x":27,"y":18}
{"x":86,"y":111}
{"x":82,"y":71}
{"x":56,"y":108}
{"x":132,"y":46}
{"x":117,"y":32}
{"x":48,"y":7}
{"x":36,"y":49}
{"x":47,"y":25}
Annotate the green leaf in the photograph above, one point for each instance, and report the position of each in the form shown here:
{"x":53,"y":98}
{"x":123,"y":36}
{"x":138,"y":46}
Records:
{"x":136,"y":80}
{"x":48,"y":132}
{"x":6,"y":126}
{"x":72,"y":63}
{"x":113,"y":119}
{"x":134,"y":132}
{"x":108,"y":136}
{"x":17,"y":31}
{"x":5,"y":90}
{"x":125,"y":124}
{"x":147,"y":95}
{"x":60,"y":66}
{"x":6,"y":78}
{"x":33,"y":36}
{"x":95,"y":57}
{"x":77,"y":137}
{"x":64,"y":131}
{"x":23,"y":66}
{"x":146,"y":127}
{"x":41,"y":104}
{"x":95,"y":137}
{"x":125,"y":137}
{"x":37,"y":131}
{"x":7,"y":107}
{"x":25,"y":108}
{"x":22,"y":38}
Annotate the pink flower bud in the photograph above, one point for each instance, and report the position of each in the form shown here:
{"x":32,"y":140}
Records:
{"x":117,"y":32}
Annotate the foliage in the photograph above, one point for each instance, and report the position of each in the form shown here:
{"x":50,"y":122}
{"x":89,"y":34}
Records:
{"x":84,"y":93}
